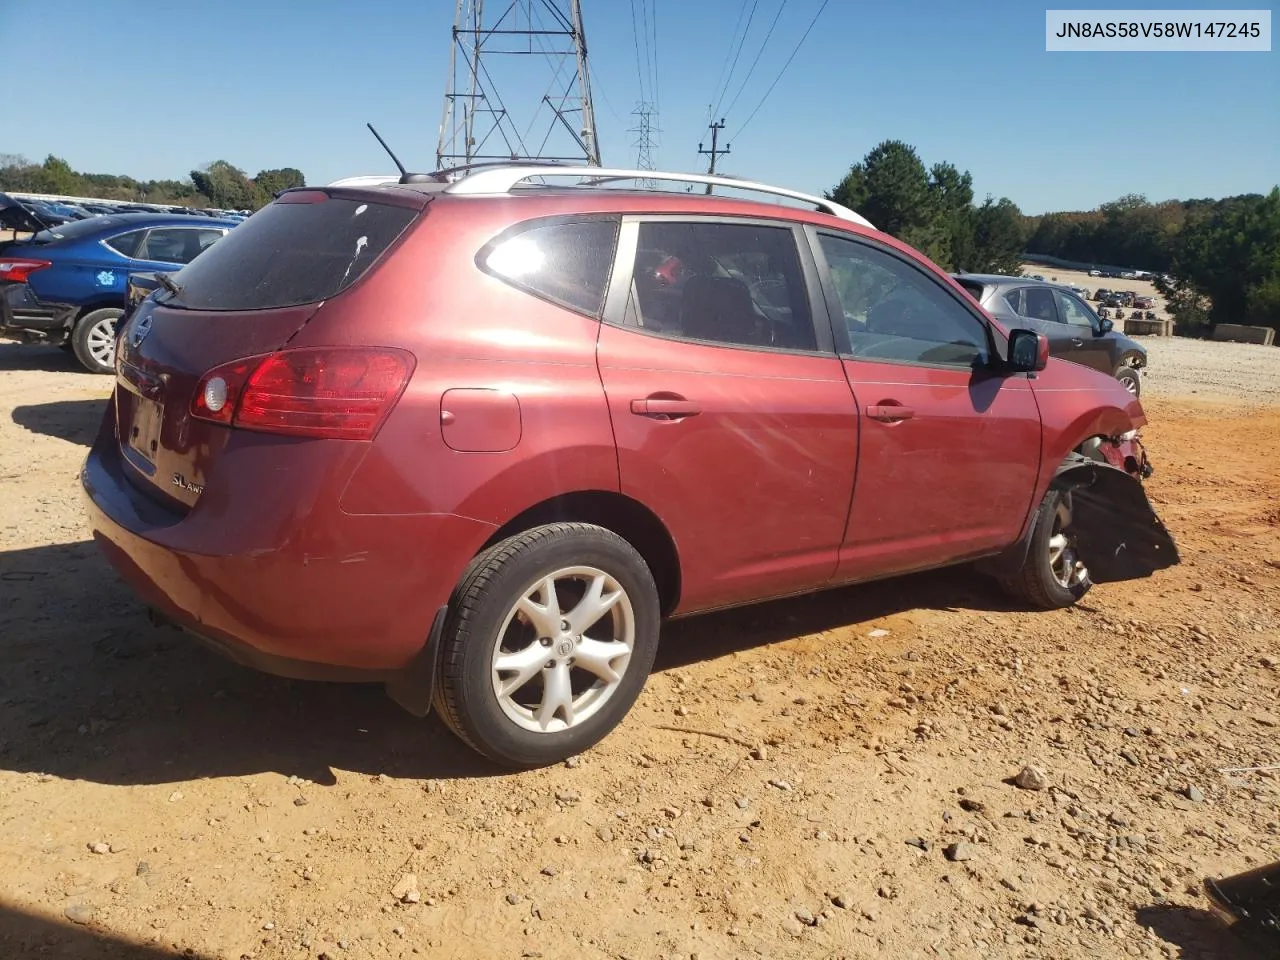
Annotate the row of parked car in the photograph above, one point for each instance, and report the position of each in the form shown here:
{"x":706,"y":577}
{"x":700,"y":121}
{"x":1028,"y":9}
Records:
{"x":58,"y":212}
{"x":65,"y":283}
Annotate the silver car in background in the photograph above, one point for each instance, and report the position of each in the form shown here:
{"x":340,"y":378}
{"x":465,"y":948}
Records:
{"x":1075,"y":332}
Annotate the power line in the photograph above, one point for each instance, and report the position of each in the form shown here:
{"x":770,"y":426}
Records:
{"x":754,"y":63}
{"x":741,"y":43}
{"x":653,"y":25}
{"x":727,"y":55}
{"x":635,"y":42}
{"x":803,"y":38}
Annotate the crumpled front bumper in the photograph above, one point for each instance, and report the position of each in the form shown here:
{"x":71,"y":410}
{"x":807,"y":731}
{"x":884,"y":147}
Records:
{"x":24,"y":316}
{"x":1116,"y":530}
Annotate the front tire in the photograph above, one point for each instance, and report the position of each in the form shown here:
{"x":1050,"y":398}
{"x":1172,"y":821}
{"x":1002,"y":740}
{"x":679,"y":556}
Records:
{"x":1052,"y":575}
{"x":1132,"y":382}
{"x":550,"y":637}
{"x":94,"y":339}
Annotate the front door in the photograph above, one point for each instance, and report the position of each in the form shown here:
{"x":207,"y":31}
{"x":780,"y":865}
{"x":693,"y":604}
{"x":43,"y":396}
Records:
{"x":1079,"y":335}
{"x":950,"y":445}
{"x":733,"y":418}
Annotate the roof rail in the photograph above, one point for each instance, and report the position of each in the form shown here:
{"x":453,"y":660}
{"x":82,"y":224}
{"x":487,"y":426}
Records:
{"x":501,"y":180}
{"x":373,"y":180}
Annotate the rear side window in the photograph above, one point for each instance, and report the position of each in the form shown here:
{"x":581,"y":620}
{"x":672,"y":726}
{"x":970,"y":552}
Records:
{"x":127,"y":243}
{"x":290,"y":253}
{"x":565,"y":261}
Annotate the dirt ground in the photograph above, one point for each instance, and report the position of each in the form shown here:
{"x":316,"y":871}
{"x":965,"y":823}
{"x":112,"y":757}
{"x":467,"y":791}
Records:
{"x":789,"y":784}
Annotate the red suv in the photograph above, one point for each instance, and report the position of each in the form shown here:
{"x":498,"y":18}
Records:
{"x":474,"y":437}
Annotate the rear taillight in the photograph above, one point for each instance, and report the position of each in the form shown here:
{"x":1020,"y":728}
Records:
{"x":16,"y":270}
{"x":338,"y":393}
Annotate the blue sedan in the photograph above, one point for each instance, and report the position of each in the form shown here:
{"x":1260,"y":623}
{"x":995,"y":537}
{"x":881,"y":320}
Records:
{"x":66,"y":285}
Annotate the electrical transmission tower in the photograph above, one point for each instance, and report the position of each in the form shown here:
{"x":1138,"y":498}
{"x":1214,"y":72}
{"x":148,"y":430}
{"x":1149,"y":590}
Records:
{"x":646,"y":141}
{"x":497,"y":65}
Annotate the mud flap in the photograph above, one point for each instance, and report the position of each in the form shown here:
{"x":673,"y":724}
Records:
{"x":1117,"y":533}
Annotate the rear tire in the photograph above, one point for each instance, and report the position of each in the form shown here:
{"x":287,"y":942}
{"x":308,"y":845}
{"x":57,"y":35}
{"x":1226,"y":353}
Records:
{"x":1051,"y":577}
{"x":521,"y":681}
{"x":94,"y":339}
{"x":1132,"y":382}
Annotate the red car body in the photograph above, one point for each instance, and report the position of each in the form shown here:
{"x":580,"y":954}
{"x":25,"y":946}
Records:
{"x":739,"y":475}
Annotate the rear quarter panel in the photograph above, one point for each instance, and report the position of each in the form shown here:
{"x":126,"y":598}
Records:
{"x":472,"y":332}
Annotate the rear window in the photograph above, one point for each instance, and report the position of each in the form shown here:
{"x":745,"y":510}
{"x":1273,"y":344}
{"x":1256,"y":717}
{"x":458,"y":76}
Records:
{"x":290,"y":253}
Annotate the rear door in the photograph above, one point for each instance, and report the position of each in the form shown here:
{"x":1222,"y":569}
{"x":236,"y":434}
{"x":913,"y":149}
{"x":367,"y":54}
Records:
{"x":247,"y":295}
{"x":732,"y":415}
{"x":950,"y":447}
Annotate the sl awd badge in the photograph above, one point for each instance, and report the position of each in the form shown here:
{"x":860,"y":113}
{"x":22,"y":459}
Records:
{"x":178,"y":480}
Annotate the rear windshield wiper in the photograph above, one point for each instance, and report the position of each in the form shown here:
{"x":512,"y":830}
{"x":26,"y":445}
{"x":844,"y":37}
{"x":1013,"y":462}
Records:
{"x":168,"y":283}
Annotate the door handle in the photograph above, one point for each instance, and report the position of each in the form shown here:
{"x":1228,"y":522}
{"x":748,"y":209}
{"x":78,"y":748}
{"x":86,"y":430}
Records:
{"x":665,"y":409}
{"x":889,"y":412}
{"x":1077,"y":342}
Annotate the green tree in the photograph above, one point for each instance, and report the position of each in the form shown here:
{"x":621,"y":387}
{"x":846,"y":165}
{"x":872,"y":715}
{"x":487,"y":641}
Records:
{"x":951,"y":197}
{"x":272,"y":182}
{"x":226,"y":186}
{"x":998,"y":237}
{"x":890,"y":187}
{"x":1232,"y":256}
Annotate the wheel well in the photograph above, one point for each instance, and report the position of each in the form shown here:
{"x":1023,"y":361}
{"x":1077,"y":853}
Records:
{"x":1132,"y":359}
{"x":628,"y":518}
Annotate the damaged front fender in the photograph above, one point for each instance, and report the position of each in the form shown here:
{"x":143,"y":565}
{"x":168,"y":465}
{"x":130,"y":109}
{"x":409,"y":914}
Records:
{"x":1116,"y":531}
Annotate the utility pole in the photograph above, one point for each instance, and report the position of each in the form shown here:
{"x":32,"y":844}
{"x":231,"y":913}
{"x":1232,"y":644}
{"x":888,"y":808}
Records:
{"x":500,"y":58}
{"x":714,"y":152}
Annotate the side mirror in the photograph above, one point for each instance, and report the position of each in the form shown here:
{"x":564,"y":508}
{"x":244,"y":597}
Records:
{"x":1028,"y":351}
{"x":1106,"y":325}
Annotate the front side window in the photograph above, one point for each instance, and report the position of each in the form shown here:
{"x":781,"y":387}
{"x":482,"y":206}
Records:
{"x":1074,"y":312}
{"x":566,"y":261}
{"x":894,"y":312}
{"x":730,"y":283}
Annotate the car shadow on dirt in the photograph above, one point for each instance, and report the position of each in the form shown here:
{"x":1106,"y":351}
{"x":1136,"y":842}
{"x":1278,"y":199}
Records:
{"x":1200,"y":933}
{"x":30,"y":935}
{"x":33,"y":356}
{"x":90,"y":690}
{"x":75,"y":421}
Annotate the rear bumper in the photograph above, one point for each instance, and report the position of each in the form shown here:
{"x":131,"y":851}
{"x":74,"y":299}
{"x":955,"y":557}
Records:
{"x":281,"y":581}
{"x":24,"y":316}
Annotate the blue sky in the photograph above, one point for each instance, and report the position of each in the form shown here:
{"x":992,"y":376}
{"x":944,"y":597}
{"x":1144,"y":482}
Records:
{"x":153,"y":89}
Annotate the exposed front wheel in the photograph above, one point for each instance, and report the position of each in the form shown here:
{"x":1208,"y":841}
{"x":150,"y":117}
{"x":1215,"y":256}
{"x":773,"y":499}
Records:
{"x":550,"y":638}
{"x":1052,"y":575}
{"x":94,"y":339}
{"x":1129,"y":377}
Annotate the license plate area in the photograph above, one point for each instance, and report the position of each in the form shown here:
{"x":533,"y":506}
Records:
{"x":143,"y":440}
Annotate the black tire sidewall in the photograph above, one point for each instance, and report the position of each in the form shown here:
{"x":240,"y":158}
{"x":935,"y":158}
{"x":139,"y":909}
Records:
{"x":484,"y":724}
{"x":80,"y":337}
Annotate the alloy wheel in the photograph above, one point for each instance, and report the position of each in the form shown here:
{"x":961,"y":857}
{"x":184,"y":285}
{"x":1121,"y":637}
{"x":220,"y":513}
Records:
{"x":563,"y":649}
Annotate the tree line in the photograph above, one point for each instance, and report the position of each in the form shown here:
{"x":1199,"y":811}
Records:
{"x":219,"y":184}
{"x":1223,"y":255}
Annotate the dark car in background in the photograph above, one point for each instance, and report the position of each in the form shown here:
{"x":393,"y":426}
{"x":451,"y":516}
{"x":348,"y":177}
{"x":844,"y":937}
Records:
{"x":66,"y":284}
{"x":1075,"y":332}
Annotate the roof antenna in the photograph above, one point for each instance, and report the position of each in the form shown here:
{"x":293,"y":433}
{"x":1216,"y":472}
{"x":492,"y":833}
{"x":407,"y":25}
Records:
{"x":405,"y":175}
